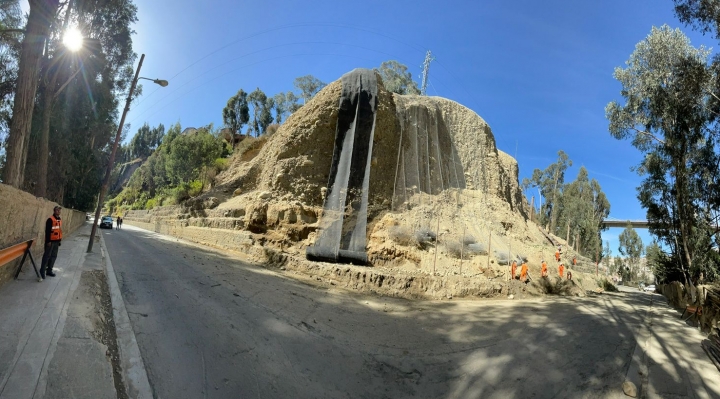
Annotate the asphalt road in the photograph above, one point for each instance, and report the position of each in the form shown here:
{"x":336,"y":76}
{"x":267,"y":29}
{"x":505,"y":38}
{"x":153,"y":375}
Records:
{"x":210,"y":326}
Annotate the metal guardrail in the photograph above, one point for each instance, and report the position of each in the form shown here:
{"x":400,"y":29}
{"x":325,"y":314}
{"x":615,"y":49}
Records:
{"x":13,"y":252}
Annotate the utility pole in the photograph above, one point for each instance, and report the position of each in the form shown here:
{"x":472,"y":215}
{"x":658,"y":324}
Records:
{"x":106,"y":181}
{"x":425,"y":72}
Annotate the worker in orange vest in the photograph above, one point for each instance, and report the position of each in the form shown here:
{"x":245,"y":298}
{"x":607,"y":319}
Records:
{"x":543,"y":269}
{"x":574,"y":261}
{"x":53,"y":236}
{"x":561,"y":270}
{"x":557,"y":255}
{"x":513,"y":268}
{"x":523,"y":272}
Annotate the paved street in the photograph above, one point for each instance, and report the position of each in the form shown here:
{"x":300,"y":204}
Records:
{"x":210,"y":326}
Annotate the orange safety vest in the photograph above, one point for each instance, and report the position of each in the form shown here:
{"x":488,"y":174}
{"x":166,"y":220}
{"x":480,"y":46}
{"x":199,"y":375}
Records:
{"x":561,"y":269}
{"x":512,"y":269}
{"x":544,"y":269}
{"x":56,"y":232}
{"x":523,"y":272}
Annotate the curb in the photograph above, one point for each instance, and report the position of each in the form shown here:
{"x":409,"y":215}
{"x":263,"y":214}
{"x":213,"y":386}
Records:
{"x":135,"y":376}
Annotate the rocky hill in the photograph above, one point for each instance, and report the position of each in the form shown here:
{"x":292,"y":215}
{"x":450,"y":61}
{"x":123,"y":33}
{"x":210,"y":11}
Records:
{"x":415,"y":185}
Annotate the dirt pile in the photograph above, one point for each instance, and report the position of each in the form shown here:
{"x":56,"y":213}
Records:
{"x":442,"y":199}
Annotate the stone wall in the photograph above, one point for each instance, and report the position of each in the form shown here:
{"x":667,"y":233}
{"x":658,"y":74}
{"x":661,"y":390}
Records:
{"x":706,"y":296}
{"x":22,"y":217}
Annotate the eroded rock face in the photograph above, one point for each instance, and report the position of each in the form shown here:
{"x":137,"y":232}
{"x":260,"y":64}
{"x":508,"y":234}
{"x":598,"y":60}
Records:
{"x":426,"y":151}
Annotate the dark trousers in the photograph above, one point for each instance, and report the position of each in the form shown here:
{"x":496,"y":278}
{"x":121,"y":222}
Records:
{"x":49,"y":256}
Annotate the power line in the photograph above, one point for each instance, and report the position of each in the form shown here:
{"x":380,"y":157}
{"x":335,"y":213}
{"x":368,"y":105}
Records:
{"x":426,"y":72}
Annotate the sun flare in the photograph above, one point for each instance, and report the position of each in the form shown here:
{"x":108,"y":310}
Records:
{"x":73,"y":39}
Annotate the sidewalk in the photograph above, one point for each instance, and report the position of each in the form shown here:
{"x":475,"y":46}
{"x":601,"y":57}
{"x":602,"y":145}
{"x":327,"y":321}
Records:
{"x":52,"y":333}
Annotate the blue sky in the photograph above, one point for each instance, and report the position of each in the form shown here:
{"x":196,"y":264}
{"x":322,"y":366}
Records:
{"x":540,"y":73}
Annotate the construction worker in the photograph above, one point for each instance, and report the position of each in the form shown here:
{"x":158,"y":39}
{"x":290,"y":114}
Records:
{"x":513,"y":268}
{"x":569,"y":275}
{"x":574,"y":261}
{"x":523,"y":272}
{"x":557,"y":254}
{"x":543,"y":269}
{"x":561,"y":270}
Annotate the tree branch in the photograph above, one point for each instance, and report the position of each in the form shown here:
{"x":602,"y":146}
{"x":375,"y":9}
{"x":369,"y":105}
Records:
{"x":652,"y":136}
{"x":57,"y":92}
{"x":4,"y":31}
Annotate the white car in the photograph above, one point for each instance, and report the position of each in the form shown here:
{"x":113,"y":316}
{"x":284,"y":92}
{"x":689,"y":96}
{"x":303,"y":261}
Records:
{"x":649,"y":288}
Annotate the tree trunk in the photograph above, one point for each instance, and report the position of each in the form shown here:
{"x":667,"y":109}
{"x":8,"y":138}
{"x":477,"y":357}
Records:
{"x":553,"y":210}
{"x":42,"y":13}
{"x":41,"y":187}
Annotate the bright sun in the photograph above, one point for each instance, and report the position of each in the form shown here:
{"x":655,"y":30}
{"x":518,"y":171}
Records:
{"x":73,"y":39}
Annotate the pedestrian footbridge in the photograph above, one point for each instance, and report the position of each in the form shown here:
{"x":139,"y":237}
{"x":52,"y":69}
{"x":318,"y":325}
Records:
{"x":613,"y":222}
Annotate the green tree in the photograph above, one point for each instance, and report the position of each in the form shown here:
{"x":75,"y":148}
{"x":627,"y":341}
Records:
{"x":309,"y":86}
{"x":189,"y":153}
{"x":236,"y":113}
{"x":550,"y":182}
{"x":631,"y":247}
{"x":266,"y":117}
{"x":42,"y":15}
{"x":285,"y":103}
{"x":10,"y":33}
{"x":257,"y":100}
{"x":606,"y":255}
{"x":396,"y":78}
{"x":581,"y":209}
{"x":146,"y":141}
{"x":657,"y":261}
{"x":669,"y":115}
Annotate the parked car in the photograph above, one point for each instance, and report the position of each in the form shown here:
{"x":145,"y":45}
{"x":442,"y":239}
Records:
{"x":650,"y":288}
{"x":106,"y":222}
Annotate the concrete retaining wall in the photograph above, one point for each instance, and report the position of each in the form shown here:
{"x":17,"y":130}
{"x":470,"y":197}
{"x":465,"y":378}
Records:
{"x":22,"y":217}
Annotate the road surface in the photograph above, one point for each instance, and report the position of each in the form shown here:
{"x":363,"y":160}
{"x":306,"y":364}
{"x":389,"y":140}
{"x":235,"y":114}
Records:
{"x":211,"y":326}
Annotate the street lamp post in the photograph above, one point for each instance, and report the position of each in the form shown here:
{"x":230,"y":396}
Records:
{"x":106,"y":181}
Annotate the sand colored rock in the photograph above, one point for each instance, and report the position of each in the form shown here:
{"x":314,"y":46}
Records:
{"x":461,"y":191}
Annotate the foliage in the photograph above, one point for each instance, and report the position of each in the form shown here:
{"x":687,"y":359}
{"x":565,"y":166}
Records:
{"x":309,"y":86}
{"x":396,"y":78}
{"x":576,"y":209}
{"x":285,"y":103}
{"x":550,"y":182}
{"x":632,"y":248}
{"x":180,"y":168}
{"x":670,"y":115}
{"x":582,"y":208}
{"x":187,"y":154}
{"x":145,"y":141}
{"x":236,"y":113}
{"x":10,"y":23}
{"x":262,"y":107}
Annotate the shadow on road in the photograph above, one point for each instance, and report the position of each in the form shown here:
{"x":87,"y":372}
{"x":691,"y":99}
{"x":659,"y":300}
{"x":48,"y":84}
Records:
{"x":208,"y":323}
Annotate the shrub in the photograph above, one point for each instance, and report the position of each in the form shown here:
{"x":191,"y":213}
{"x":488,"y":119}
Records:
{"x":151,"y":203}
{"x":607,"y":285}
{"x":180,"y":193}
{"x":468,"y":239}
{"x":425,"y":236}
{"x":194,"y":188}
{"x":221,"y":164}
{"x":401,"y":235}
{"x":477,"y":248}
{"x":454,"y":248}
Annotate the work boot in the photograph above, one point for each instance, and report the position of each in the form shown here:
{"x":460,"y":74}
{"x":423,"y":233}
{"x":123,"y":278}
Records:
{"x":51,"y":274}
